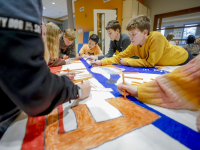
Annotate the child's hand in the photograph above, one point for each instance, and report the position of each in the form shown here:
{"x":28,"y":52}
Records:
{"x":198,"y":123}
{"x":70,"y":75}
{"x":86,"y":88}
{"x":130,"y":89}
{"x":65,"y":57}
{"x":90,"y":58}
{"x":96,"y":63}
{"x":68,"y":61}
{"x":104,"y":58}
{"x":121,"y":61}
{"x":78,"y":57}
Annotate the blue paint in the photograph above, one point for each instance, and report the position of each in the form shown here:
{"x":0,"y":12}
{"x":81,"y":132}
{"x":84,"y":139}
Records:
{"x":91,"y":63}
{"x":174,"y":129}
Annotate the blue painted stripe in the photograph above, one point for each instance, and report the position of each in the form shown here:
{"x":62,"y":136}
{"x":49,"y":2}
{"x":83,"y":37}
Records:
{"x":174,"y":129}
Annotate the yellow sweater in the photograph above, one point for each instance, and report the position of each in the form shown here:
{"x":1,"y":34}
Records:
{"x":179,"y":89}
{"x":156,"y":51}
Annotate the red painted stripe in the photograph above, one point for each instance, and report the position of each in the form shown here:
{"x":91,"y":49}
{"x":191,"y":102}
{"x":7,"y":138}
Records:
{"x":61,"y":124}
{"x":34,"y":137}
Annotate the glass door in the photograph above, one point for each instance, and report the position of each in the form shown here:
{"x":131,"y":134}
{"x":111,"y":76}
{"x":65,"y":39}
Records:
{"x":101,"y":30}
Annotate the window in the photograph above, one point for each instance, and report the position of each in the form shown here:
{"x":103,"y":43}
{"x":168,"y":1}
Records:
{"x":162,"y":31}
{"x":189,"y":31}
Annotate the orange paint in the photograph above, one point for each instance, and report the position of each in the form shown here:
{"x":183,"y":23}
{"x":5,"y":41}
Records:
{"x":124,"y":83}
{"x":81,"y":80}
{"x":90,"y":133}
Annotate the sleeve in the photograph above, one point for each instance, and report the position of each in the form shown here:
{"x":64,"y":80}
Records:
{"x":176,"y":90}
{"x":155,"y":52}
{"x":72,"y":50}
{"x":115,"y":60}
{"x":82,"y":50}
{"x":25,"y":77}
{"x":110,"y":52}
{"x":56,"y":62}
{"x":61,"y":54}
{"x":126,"y":42}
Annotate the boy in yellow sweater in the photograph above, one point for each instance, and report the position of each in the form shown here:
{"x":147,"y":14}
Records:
{"x":151,"y":47}
{"x":91,"y":48}
{"x":176,"y":90}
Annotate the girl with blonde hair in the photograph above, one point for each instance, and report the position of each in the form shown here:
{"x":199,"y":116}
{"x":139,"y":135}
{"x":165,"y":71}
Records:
{"x":52,"y":37}
{"x":46,"y":52}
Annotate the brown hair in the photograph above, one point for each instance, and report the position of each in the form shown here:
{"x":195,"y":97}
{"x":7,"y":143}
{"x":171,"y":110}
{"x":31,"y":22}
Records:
{"x":141,"y":22}
{"x":170,"y":36}
{"x":70,"y":34}
{"x":114,"y":24}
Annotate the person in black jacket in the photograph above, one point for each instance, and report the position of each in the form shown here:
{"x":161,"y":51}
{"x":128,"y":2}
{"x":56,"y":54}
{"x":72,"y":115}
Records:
{"x":26,"y":83}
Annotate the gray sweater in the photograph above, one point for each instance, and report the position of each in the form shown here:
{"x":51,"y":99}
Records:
{"x":120,"y":45}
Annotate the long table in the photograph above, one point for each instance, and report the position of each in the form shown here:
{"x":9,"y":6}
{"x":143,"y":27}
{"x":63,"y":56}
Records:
{"x":105,"y":120}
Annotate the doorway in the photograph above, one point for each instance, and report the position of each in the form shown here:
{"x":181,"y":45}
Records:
{"x":101,"y":18}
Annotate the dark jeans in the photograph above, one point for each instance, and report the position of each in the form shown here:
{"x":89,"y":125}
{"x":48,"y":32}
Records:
{"x":6,"y":123}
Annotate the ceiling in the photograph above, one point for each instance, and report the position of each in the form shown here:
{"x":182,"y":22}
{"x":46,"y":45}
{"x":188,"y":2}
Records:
{"x":56,"y":10}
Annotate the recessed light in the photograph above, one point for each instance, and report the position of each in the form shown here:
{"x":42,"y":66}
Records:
{"x":44,"y":8}
{"x":53,"y":3}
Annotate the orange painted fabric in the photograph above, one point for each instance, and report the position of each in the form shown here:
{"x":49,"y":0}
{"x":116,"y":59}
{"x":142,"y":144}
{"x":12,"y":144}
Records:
{"x":179,"y":89}
{"x":89,"y":133}
{"x":55,"y":69}
{"x":85,"y":50}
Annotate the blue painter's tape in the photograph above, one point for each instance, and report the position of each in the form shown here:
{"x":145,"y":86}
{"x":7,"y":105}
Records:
{"x":174,"y":129}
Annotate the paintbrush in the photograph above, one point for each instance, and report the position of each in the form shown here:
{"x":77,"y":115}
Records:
{"x":124,"y":83}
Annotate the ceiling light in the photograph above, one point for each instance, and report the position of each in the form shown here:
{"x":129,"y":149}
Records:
{"x":53,"y":3}
{"x":44,"y":8}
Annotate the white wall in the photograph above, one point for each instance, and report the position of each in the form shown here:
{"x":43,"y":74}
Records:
{"x":46,"y":21}
{"x":66,"y":24}
{"x":164,"y":6}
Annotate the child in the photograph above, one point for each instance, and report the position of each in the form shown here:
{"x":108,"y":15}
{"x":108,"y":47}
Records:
{"x":53,"y":35}
{"x":119,"y":42}
{"x":26,"y":83}
{"x":91,"y":48}
{"x":67,"y":44}
{"x":169,"y":37}
{"x":152,"y":48}
{"x":192,"y":47}
{"x":176,"y":90}
{"x":70,"y":75}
